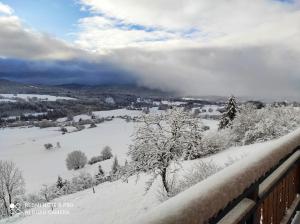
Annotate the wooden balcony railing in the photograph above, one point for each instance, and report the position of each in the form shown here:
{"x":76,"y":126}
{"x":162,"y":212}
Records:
{"x":257,"y":193}
{"x":274,"y":199}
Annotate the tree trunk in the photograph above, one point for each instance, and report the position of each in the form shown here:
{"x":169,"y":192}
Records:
{"x":5,"y":206}
{"x":10,"y":202}
{"x":164,"y":179}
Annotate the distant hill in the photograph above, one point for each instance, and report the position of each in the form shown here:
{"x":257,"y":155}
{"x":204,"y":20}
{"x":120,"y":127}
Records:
{"x":79,"y":90}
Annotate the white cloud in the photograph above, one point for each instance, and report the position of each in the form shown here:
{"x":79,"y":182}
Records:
{"x":102,"y":34}
{"x":5,"y":9}
{"x":19,"y":41}
{"x":212,"y":19}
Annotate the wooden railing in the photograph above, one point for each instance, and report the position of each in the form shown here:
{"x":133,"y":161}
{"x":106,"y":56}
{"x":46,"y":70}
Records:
{"x":264,"y":189}
{"x":274,"y":199}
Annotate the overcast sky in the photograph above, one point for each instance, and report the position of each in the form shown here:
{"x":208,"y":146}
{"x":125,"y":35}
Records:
{"x":196,"y":47}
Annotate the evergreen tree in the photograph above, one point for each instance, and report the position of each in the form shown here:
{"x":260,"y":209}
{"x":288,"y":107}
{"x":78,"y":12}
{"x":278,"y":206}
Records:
{"x":229,"y":114}
{"x":100,"y":175}
{"x":59,"y":183}
{"x":100,"y":171}
{"x":115,"y":167}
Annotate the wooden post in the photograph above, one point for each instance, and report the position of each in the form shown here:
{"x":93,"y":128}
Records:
{"x":255,"y":217}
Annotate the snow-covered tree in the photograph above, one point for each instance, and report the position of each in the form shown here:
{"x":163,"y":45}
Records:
{"x":161,"y":139}
{"x":83,"y":181}
{"x":100,"y":176}
{"x":229,"y":114}
{"x":76,"y":160}
{"x":59,"y":182}
{"x":11,"y":185}
{"x":253,"y":125}
{"x":115,"y":167}
{"x":106,"y":153}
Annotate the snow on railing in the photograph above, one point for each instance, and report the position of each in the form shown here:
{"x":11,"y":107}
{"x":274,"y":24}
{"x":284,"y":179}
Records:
{"x":212,"y":199}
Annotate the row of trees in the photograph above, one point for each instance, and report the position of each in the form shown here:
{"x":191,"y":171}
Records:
{"x":163,"y":139}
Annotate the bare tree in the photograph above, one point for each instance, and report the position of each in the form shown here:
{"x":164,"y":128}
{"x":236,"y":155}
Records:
{"x":11,"y":184}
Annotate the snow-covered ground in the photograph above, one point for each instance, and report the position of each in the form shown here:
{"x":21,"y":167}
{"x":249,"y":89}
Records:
{"x":110,"y":203}
{"x":25,"y":146}
{"x":116,"y":202}
{"x":38,"y":96}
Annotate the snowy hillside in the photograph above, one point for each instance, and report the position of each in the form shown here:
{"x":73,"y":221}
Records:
{"x":117,"y":202}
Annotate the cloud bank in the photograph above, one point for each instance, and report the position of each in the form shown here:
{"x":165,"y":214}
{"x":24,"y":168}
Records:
{"x":195,"y":47}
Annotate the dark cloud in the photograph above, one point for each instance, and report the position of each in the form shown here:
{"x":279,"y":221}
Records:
{"x":61,"y":72}
{"x":268,"y":71}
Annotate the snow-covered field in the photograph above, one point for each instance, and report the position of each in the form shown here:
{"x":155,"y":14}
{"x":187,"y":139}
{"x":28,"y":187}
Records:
{"x":116,"y":202}
{"x":25,"y":147}
{"x":38,"y":96}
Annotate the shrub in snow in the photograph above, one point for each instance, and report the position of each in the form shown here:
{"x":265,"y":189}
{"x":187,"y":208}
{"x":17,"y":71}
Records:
{"x":199,"y":172}
{"x":93,"y":125}
{"x":82,"y":181}
{"x":59,"y":182}
{"x":70,"y":118}
{"x":80,"y":127}
{"x":46,"y":124}
{"x":58,"y":145}
{"x":229,"y":114}
{"x":253,"y":125}
{"x":146,"y":110}
{"x":106,"y":153}
{"x":11,"y":186}
{"x":196,"y":112}
{"x":76,"y":160}
{"x":48,"y":146}
{"x":95,"y":159}
{"x":214,"y":142}
{"x":33,"y":198}
{"x":48,"y":193}
{"x":100,"y":175}
{"x":63,"y":130}
{"x":161,"y":139}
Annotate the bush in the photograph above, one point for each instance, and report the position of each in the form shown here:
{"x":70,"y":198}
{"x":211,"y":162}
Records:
{"x":82,"y":181}
{"x":95,"y":159}
{"x":48,"y":146}
{"x":63,"y":130}
{"x":93,"y":125}
{"x":106,"y":153}
{"x":76,"y":160}
{"x":253,"y":125}
{"x":80,"y":127}
{"x":198,"y":172}
{"x":46,"y":124}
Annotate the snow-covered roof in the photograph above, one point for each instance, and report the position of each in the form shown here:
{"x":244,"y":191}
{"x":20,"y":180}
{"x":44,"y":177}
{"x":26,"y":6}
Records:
{"x":205,"y":199}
